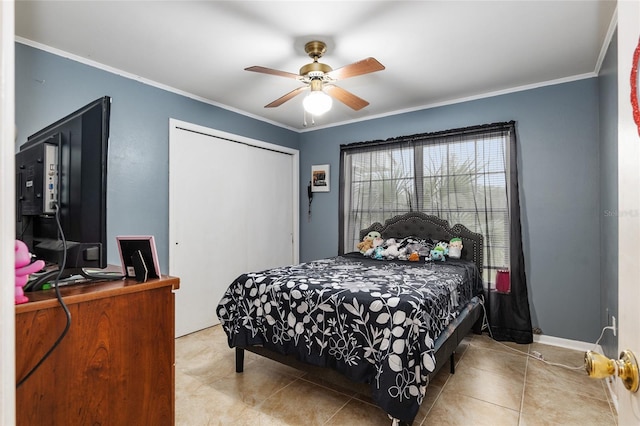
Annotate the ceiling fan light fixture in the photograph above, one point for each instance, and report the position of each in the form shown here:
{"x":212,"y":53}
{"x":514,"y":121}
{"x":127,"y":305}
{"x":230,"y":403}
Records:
{"x":317,"y":102}
{"x":316,"y":74}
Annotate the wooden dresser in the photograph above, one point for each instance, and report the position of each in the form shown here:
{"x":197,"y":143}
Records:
{"x":116,"y":364}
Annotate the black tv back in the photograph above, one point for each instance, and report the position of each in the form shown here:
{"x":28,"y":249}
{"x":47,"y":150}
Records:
{"x":64,"y":167}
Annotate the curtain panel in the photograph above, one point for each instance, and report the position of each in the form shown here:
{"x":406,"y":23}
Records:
{"x":466,"y":176}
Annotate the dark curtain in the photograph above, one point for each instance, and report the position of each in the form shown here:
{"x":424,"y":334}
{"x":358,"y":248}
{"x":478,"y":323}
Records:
{"x":466,"y":176}
{"x":509,"y":315}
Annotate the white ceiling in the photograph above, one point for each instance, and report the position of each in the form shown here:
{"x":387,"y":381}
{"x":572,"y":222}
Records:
{"x":435,"y":52}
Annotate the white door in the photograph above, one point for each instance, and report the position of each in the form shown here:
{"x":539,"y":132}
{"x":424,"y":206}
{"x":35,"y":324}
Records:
{"x":628,"y":208}
{"x":270,"y":212}
{"x":232,"y":209}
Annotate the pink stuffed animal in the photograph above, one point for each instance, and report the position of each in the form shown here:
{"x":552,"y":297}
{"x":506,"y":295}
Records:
{"x":24,"y":267}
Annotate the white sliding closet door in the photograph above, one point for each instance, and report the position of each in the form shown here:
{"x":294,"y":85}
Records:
{"x":233,"y":209}
{"x":270,"y":212}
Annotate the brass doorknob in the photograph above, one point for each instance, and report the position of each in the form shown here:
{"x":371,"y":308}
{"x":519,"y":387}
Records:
{"x":599,"y":367}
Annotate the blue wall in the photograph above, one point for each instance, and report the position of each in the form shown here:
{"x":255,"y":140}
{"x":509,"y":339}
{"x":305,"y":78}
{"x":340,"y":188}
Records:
{"x":48,"y":87}
{"x":608,"y":90}
{"x":559,"y":148}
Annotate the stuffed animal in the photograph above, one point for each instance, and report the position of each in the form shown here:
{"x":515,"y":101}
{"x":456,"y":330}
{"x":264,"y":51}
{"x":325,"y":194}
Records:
{"x":455,"y":248}
{"x":393,"y":250}
{"x":416,"y":245}
{"x":437,"y":254}
{"x":439,"y":251}
{"x":367,"y":242}
{"x":24,"y":267}
{"x":365,"y":245}
{"x":444,"y":246}
{"x":376,"y":250}
{"x":414,"y":257}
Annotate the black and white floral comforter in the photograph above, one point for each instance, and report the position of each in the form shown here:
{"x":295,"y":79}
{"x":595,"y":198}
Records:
{"x":374,"y":321}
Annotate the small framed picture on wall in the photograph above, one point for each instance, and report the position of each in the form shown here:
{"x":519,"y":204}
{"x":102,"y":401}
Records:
{"x":320,"y":178}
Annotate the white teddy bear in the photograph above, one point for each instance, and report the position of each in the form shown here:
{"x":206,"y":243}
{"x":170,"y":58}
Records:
{"x":392,"y":250}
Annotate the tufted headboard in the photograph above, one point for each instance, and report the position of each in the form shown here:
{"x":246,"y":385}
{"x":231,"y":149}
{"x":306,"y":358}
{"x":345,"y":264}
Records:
{"x":424,"y":226}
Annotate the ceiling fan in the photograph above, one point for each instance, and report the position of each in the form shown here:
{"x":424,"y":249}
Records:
{"x":320,"y":78}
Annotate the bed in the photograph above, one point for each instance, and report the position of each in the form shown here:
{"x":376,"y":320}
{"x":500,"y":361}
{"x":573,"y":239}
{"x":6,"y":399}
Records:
{"x":387,"y":325}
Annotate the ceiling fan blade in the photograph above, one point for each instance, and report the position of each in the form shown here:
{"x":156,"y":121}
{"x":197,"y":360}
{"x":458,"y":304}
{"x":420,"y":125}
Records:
{"x":346,"y":97}
{"x":364,"y":66}
{"x":286,"y":97}
{"x":271,"y":71}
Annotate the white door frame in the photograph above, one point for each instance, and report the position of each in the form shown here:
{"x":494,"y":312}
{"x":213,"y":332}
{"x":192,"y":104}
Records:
{"x":7,"y":214}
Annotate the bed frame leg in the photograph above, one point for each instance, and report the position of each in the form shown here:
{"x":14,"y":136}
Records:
{"x":239,"y":360}
{"x":452,"y":363}
{"x":477,"y":327}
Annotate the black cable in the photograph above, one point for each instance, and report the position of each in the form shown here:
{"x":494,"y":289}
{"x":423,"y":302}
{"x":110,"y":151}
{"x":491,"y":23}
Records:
{"x":310,"y":196}
{"x":36,"y":283}
{"x":62,"y":304}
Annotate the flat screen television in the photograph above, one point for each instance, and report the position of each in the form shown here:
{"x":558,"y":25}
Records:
{"x":61,"y":184}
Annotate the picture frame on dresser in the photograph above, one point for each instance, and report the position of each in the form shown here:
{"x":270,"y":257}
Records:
{"x":138,"y":256}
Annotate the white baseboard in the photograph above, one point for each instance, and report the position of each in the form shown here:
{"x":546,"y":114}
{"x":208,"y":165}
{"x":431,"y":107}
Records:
{"x":566,"y":343}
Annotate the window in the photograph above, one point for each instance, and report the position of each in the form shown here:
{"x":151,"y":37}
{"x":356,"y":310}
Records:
{"x":460,"y":176}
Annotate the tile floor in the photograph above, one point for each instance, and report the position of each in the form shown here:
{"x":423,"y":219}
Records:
{"x":493,"y":385}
